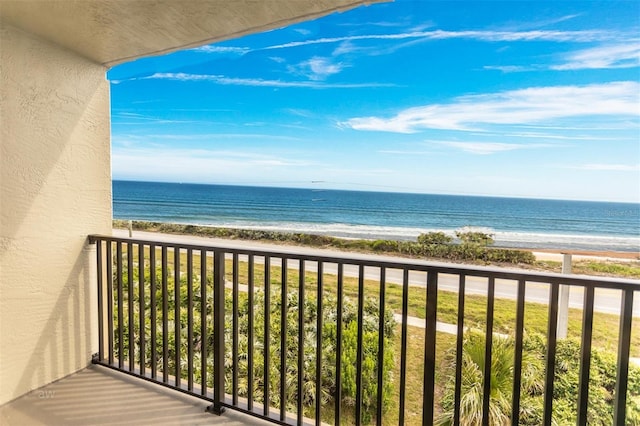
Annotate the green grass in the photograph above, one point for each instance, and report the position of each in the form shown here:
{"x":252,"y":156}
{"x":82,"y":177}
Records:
{"x":609,"y":268}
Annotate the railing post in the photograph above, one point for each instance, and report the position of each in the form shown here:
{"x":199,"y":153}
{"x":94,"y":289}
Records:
{"x":624,"y":346}
{"x":91,"y":286}
{"x":563,"y":304}
{"x":218,"y":333}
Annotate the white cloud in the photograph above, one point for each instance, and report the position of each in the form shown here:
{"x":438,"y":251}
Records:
{"x":221,"y":49}
{"x":344,"y":48}
{"x":613,"y":56}
{"x":317,"y":68}
{"x":509,"y":68}
{"x":258,"y":82}
{"x":516,"y":107}
{"x":489,"y":36}
{"x":609,"y":167}
{"x":484,"y":148}
{"x":532,"y":23}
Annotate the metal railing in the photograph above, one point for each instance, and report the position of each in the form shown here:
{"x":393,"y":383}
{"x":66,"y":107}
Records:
{"x":257,"y":331}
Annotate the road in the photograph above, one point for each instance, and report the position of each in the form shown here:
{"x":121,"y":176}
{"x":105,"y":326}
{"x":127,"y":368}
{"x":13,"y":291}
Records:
{"x":606,"y":300}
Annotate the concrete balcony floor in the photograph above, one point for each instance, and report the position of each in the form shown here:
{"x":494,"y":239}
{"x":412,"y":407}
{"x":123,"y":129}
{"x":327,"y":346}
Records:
{"x":101,"y":396}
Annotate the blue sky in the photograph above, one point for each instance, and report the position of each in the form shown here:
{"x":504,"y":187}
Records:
{"x":525,"y":99}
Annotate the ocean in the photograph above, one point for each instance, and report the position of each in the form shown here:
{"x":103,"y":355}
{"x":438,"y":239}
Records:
{"x":514,"y":222}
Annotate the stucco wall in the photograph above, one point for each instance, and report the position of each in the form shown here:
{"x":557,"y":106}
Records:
{"x":55,"y":188}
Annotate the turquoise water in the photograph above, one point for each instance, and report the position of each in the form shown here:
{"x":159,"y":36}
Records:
{"x":515,"y":222}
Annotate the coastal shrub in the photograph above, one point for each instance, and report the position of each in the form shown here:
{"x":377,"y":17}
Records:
{"x":327,"y":384}
{"x":436,"y":245}
{"x":432,"y":238}
{"x":384,"y":245}
{"x":475,"y":238}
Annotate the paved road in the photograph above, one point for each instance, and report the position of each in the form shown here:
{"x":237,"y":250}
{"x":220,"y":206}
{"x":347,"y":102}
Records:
{"x":605,"y":300}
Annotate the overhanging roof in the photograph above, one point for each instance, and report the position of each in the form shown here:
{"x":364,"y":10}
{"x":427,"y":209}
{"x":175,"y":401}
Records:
{"x":110,"y":32}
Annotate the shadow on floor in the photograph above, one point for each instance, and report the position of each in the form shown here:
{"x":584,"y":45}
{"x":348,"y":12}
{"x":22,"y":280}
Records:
{"x":100,"y":396}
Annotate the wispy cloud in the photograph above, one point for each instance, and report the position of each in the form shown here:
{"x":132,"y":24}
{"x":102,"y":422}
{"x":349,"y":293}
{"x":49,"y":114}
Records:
{"x":608,"y":167}
{"x":510,"y":68}
{"x":198,"y":162}
{"x":618,"y":55}
{"x":625,"y":55}
{"x":489,"y":36}
{"x":485,"y":148}
{"x":540,"y":23}
{"x":258,"y":82}
{"x":524,"y":106}
{"x":222,"y":49}
{"x":401,"y":152}
{"x":219,"y":136}
{"x":129,"y":118}
{"x":316,"y":68}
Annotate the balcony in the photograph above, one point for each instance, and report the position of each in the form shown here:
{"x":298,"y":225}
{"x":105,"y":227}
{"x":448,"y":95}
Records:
{"x":200,"y":345}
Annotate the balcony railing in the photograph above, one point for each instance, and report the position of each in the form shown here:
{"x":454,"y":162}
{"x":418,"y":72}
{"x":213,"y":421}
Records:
{"x":297,"y":338}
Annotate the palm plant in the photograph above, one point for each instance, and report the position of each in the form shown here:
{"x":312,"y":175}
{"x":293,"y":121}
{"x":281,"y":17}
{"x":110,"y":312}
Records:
{"x":473,"y":363}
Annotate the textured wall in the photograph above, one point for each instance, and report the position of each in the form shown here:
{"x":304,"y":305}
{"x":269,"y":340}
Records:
{"x":55,"y":188}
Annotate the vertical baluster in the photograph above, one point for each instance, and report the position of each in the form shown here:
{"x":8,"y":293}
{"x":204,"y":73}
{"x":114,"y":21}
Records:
{"x":381,"y":349}
{"x":624,"y":345}
{"x":430,"y":348}
{"x":100,"y":284}
{"x":110,"y":301}
{"x":551,"y":354}
{"x":517,"y":364}
{"x":204,"y":337}
{"x":585,"y":355}
{"x":152,"y":309}
{"x":486,"y":388}
{"x":190,"y":319}
{"x":141,"y":309}
{"x":235,"y":336}
{"x":250,"y":337}
{"x":218,"y":333}
{"x":267,"y":335}
{"x":165,"y":316}
{"x":176,"y":316}
{"x":403,"y":348}
{"x":120,"y":304}
{"x":283,"y":341}
{"x":339,"y":295}
{"x":319,"y":345}
{"x":130,"y":301}
{"x":301,"y":333}
{"x":459,"y":342}
{"x":359,"y":345}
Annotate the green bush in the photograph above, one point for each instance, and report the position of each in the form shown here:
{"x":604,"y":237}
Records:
{"x":329,"y":337}
{"x":475,"y":238}
{"x":565,"y":395}
{"x":432,"y":238}
{"x":384,"y":245}
{"x":436,"y":245}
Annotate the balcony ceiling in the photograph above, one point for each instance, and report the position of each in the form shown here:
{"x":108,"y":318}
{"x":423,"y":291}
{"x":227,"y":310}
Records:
{"x":110,"y":32}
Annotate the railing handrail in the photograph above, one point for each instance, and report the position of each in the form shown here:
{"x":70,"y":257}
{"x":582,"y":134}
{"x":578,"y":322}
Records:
{"x":587,"y":281}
